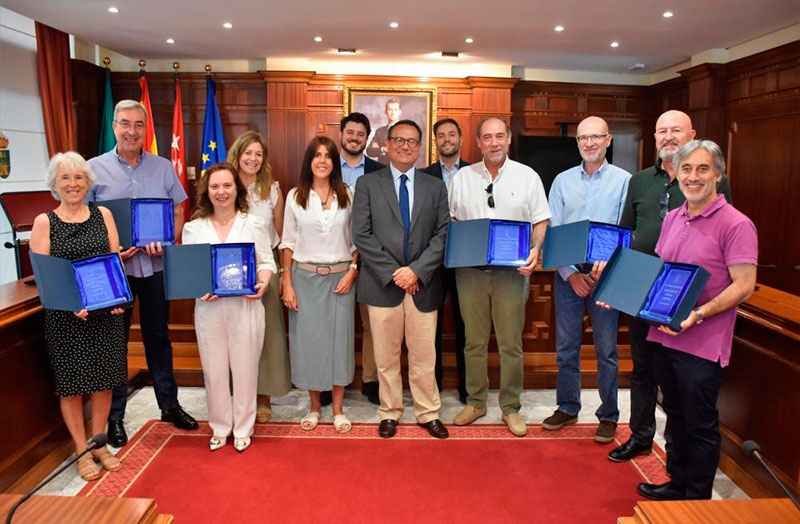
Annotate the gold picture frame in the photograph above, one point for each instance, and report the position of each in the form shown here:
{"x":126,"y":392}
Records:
{"x":417,"y":103}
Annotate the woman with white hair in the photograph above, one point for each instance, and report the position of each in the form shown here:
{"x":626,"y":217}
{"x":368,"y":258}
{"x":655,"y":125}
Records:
{"x":87,"y":353}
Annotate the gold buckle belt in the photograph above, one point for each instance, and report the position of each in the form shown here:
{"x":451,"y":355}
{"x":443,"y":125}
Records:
{"x":324,"y":269}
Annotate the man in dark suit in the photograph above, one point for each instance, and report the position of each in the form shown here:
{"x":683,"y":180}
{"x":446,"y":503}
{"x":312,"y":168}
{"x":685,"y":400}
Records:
{"x":400,"y":217}
{"x":447,"y":134}
{"x":377,"y":142}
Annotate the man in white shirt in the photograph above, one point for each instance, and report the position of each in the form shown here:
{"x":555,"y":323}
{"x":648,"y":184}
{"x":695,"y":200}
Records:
{"x":500,"y":188}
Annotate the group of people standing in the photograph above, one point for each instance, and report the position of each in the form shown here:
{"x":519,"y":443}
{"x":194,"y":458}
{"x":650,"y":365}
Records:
{"x":354,"y":230}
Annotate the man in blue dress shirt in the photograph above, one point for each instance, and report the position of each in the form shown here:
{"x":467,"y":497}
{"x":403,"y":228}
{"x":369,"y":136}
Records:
{"x":127,"y":171}
{"x":594,"y":190}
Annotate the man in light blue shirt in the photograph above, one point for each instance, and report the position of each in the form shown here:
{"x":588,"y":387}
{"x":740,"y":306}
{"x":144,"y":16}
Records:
{"x":355,"y":130}
{"x":594,"y":190}
{"x":127,"y":171}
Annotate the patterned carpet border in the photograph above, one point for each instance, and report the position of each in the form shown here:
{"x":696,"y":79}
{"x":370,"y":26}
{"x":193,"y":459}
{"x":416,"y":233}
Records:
{"x":139,"y":453}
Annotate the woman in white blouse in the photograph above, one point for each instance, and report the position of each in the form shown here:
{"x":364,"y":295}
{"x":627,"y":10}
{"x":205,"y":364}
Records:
{"x":317,"y":276}
{"x":230,"y":330}
{"x":250,"y":157}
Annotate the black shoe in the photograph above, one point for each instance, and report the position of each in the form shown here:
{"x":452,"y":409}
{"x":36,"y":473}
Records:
{"x":387,"y":428}
{"x":325,"y":398}
{"x":370,"y":390}
{"x":116,"y":433}
{"x":435,"y":428}
{"x":629,"y":450}
{"x":179,"y":418}
{"x":666,"y":491}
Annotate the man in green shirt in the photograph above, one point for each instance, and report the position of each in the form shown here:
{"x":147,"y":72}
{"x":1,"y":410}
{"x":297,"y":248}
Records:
{"x":652,"y":193}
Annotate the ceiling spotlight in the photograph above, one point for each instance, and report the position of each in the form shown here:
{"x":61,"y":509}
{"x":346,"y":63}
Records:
{"x":449,"y":54}
{"x":227,"y":25}
{"x":346,"y":50}
{"x":318,"y":39}
{"x":636,"y":67}
{"x":559,"y":28}
{"x":394,"y":25}
{"x":469,"y":40}
{"x":667,"y":14}
{"x":113,"y":10}
{"x":614,"y":44}
{"x":170,"y":40}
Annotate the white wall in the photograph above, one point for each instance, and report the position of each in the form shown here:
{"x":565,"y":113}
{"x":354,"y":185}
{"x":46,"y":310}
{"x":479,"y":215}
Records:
{"x":20,"y":120}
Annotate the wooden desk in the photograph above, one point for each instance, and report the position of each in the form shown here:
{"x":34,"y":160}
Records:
{"x":86,"y":510}
{"x":754,"y":511}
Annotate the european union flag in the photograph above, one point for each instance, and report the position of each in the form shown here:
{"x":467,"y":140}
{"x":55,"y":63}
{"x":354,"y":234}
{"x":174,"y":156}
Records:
{"x":214,"y":150}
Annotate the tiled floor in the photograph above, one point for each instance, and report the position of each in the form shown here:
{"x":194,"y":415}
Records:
{"x":536,"y":406}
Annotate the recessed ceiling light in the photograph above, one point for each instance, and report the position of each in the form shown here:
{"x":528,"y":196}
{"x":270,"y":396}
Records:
{"x":558,"y":28}
{"x":614,"y":44}
{"x":170,"y":40}
{"x":667,"y":14}
{"x":469,"y":40}
{"x":394,"y":25}
{"x":227,"y":25}
{"x":318,"y":39}
{"x":346,"y":50}
{"x":113,"y":10}
{"x":449,"y":54}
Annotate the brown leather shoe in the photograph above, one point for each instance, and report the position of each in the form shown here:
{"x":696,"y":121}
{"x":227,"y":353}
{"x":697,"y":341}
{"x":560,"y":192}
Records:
{"x":605,"y":432}
{"x":387,"y":428}
{"x":435,"y":428}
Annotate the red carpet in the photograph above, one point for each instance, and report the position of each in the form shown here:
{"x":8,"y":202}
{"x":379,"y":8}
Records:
{"x":481,"y":474}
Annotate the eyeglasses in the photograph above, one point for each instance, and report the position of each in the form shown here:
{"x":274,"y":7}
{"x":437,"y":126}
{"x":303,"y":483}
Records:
{"x":127,"y":124}
{"x":490,"y":190}
{"x":593,"y":138}
{"x":663,"y":205}
{"x":399,"y":141}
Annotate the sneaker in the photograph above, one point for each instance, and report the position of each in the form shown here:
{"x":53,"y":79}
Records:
{"x":606,"y":432}
{"x":468,"y":415}
{"x":516,"y":424}
{"x":558,"y":420}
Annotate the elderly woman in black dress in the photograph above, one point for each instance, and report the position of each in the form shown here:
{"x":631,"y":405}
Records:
{"x":87,"y":353}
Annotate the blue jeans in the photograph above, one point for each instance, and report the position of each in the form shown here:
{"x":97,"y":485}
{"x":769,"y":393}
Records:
{"x":570,"y":309}
{"x":154,"y":320}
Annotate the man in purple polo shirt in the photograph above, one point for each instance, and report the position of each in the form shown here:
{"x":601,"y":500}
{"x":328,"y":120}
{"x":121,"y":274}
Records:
{"x":127,"y":171}
{"x":708,"y":232}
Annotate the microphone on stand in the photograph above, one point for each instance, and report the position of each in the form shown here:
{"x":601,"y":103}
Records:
{"x":97,"y":441}
{"x":751,"y":448}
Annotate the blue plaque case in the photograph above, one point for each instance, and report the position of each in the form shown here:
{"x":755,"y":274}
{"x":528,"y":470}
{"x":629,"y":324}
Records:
{"x":582,"y":244}
{"x":222,"y":269}
{"x":96,"y":284}
{"x":487,"y":242}
{"x":152,"y":220}
{"x":659,"y":292}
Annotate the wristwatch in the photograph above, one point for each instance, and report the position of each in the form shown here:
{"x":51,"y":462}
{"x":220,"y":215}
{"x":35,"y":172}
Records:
{"x":699,"y":314}
{"x":354,"y":266}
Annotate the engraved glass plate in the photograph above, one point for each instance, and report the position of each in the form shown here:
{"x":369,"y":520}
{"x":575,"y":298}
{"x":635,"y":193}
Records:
{"x":101,"y":281}
{"x":152,"y":220}
{"x":234,"y":269}
{"x":604,"y":239}
{"x":667,"y":293}
{"x":509,"y":243}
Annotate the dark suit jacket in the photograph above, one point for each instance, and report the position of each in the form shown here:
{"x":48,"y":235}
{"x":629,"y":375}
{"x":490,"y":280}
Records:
{"x":378,"y":235}
{"x":371,"y":165}
{"x":435,"y":169}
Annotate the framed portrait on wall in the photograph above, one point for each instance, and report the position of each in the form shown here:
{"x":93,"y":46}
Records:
{"x":386,"y":105}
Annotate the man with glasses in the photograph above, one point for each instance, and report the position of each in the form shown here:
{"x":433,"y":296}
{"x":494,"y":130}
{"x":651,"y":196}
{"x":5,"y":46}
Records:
{"x":128,"y":171}
{"x":447,"y":134}
{"x":355,"y":130}
{"x":400,"y":222}
{"x":652,"y":193}
{"x":497,"y":187}
{"x":594,"y":190}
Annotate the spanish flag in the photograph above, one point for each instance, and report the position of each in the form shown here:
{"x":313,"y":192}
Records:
{"x":150,"y":133}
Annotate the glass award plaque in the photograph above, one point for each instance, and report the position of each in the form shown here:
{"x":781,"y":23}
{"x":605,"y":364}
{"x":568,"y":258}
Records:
{"x":234,"y":269}
{"x":604,"y":239}
{"x":509,"y":243}
{"x":152,"y":220}
{"x":667,"y":293}
{"x":101,"y":282}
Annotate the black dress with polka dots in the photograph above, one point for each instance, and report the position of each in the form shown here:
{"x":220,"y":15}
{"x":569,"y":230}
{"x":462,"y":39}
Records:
{"x":86,"y":355}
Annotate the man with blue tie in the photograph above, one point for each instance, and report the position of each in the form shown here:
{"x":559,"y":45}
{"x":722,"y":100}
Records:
{"x":400,"y":217}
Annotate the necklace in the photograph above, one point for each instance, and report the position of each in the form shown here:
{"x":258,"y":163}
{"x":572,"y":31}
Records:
{"x":224,"y":222}
{"x":325,"y":202}
{"x":73,"y":219}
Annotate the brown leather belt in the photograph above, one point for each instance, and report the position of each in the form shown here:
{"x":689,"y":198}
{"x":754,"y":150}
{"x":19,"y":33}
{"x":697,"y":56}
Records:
{"x":324,"y":269}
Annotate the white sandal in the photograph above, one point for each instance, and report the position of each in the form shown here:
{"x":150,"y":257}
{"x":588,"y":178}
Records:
{"x":310,"y":421}
{"x":342,"y":424}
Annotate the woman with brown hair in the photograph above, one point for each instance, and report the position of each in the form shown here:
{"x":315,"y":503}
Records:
{"x":250,"y":157}
{"x":230,"y":330}
{"x":318,"y":272}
